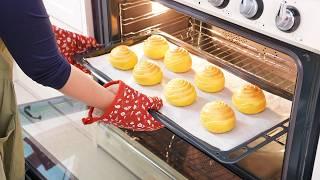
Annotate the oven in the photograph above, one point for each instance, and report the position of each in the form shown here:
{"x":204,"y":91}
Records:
{"x":273,"y":44}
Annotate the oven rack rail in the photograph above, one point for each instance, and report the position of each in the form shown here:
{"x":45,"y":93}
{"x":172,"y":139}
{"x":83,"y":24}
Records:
{"x":160,"y":26}
{"x":229,"y":157}
{"x":138,"y":17}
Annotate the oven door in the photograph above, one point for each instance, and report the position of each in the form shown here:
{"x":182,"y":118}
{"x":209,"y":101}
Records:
{"x":58,"y":146}
{"x":299,"y":144}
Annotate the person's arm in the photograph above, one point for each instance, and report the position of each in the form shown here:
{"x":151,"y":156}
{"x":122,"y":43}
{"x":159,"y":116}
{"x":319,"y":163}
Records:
{"x":83,"y":88}
{"x":26,"y":30}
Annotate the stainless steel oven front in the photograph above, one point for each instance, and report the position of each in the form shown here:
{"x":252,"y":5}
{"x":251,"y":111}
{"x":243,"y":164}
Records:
{"x":270,"y":43}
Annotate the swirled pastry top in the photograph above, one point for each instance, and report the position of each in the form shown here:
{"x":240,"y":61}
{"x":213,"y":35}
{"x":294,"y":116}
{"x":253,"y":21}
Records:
{"x":123,"y":58}
{"x":250,"y":99}
{"x":155,"y":47}
{"x":210,"y":79}
{"x":217,"y":117}
{"x":180,"y":92}
{"x":147,"y":73}
{"x":178,"y":60}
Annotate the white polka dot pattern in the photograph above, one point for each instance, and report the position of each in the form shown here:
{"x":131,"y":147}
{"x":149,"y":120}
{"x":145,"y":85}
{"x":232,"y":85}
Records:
{"x":129,"y":110}
{"x":70,"y":43}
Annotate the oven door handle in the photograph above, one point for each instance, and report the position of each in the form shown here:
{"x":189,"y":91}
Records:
{"x":27,"y":110}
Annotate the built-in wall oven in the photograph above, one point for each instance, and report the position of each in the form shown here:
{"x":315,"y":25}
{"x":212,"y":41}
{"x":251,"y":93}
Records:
{"x":271,"y":43}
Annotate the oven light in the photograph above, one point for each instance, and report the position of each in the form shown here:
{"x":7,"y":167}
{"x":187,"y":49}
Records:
{"x":158,"y":8}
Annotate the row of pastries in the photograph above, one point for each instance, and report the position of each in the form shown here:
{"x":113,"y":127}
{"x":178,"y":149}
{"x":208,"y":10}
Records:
{"x":217,"y":116}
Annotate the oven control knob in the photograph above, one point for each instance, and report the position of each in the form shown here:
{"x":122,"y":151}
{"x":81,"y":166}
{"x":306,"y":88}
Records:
{"x":219,"y":3}
{"x":251,"y":9}
{"x":288,"y":18}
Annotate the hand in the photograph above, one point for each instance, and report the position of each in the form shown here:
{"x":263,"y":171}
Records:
{"x":129,"y":109}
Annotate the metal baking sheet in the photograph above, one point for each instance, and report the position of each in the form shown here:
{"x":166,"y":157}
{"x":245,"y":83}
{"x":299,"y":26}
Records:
{"x":247,"y":126}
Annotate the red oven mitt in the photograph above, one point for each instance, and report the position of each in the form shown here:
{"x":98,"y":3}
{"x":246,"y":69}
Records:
{"x":70,"y":43}
{"x":129,"y":110}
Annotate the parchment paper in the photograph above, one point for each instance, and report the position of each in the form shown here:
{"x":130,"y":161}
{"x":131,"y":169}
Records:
{"x":247,"y":126}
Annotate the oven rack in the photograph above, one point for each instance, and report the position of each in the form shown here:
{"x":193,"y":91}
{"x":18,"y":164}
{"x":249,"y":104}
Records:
{"x":229,"y":157}
{"x":136,"y":17}
{"x":275,"y":73}
{"x":160,"y":26}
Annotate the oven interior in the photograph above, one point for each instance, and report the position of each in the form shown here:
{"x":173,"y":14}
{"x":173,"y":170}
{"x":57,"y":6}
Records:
{"x":270,"y":69}
{"x":275,"y":71}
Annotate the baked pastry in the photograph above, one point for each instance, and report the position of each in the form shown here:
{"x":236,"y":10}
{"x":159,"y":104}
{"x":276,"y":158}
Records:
{"x":121,"y":57}
{"x":178,"y":60}
{"x":249,"y":99}
{"x":155,"y":47}
{"x":180,"y":92}
{"x":217,"y":117}
{"x":147,"y":73}
{"x":210,"y":79}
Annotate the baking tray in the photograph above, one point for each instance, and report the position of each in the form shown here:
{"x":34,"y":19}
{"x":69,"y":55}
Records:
{"x":251,"y":132}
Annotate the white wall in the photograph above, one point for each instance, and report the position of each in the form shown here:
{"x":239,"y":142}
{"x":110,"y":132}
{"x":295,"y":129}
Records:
{"x":73,"y":15}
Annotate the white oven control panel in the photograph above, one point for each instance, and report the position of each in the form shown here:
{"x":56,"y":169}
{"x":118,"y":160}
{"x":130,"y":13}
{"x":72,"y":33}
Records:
{"x":293,"y":21}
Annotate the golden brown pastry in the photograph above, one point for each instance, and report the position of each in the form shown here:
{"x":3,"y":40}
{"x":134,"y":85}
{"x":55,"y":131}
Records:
{"x":155,"y":47}
{"x":217,"y":117}
{"x":121,"y":57}
{"x":249,"y":99}
{"x":180,"y":92}
{"x":147,"y":73}
{"x":178,"y":60}
{"x":210,"y":79}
